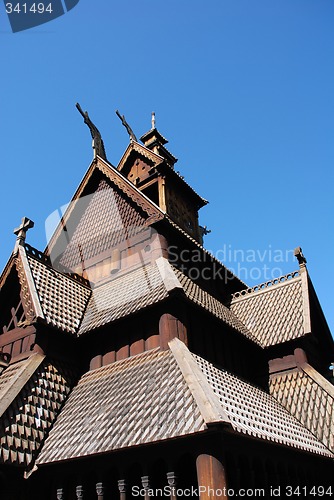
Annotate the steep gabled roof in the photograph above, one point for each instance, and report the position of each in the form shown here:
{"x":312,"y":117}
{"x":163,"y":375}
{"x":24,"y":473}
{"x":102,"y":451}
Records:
{"x":49,"y":295}
{"x":254,"y":412}
{"x":144,"y":204}
{"x":160,"y":395}
{"x":135,"y":401}
{"x":33,"y":392}
{"x":152,"y":212}
{"x":15,"y":377}
{"x":276,"y":311}
{"x":309,"y":397}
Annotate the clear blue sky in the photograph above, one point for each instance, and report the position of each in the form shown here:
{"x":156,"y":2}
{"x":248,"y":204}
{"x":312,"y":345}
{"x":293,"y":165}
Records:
{"x":243,"y":90}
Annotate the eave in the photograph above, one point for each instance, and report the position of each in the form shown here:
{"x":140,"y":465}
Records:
{"x":162,"y":167}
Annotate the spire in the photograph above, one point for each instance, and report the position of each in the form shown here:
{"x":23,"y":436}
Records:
{"x":21,"y":232}
{"x":98,"y":145}
{"x":155,"y":142}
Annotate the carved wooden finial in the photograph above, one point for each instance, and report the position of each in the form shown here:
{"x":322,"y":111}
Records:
{"x":98,"y":145}
{"x":21,"y":231}
{"x":204,"y":230}
{"x":298,"y":253}
{"x":153,"y":120}
{"x":127,"y":126}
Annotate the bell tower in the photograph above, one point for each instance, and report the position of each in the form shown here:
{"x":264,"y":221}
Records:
{"x":151,"y":168}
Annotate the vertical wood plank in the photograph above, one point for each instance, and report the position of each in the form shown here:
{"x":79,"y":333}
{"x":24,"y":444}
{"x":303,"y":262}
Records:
{"x":169,"y":328}
{"x":211,"y":478}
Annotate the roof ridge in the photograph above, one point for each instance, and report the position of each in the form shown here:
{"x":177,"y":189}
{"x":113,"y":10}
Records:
{"x":152,"y":155}
{"x":319,"y":379}
{"x":280,"y":280}
{"x":135,"y":145}
{"x":28,"y":368}
{"x":30,"y":297}
{"x":168,"y":275}
{"x":205,"y":398}
{"x":129,"y":183}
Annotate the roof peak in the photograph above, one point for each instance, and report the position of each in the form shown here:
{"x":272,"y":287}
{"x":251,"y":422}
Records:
{"x":21,"y":232}
{"x":155,"y":141}
{"x":298,"y":253}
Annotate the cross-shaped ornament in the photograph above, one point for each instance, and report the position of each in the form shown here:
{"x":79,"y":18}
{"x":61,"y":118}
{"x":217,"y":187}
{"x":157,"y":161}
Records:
{"x":21,"y":231}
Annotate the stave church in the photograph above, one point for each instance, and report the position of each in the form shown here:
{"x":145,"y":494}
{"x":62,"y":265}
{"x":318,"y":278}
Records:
{"x":128,"y":370}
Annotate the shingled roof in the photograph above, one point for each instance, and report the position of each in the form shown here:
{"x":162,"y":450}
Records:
{"x":148,"y":285}
{"x":135,"y":401}
{"x":254,"y":412}
{"x":68,"y":303}
{"x":106,"y":218}
{"x":206,"y":301}
{"x":158,"y":395}
{"x":50,"y":295}
{"x":14,"y":377}
{"x":153,"y":213}
{"x":124,"y":295}
{"x":309,"y":397}
{"x":32,"y":393}
{"x":275,"y":311}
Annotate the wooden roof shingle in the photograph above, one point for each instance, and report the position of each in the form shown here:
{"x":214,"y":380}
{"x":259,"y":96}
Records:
{"x":56,"y":298}
{"x":159,"y":395}
{"x":41,"y":387}
{"x":309,"y":397}
{"x":273,"y":312}
{"x":124,"y":295}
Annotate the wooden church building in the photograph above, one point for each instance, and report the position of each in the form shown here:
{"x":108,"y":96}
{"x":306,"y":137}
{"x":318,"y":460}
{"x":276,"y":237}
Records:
{"x":134,"y":364}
